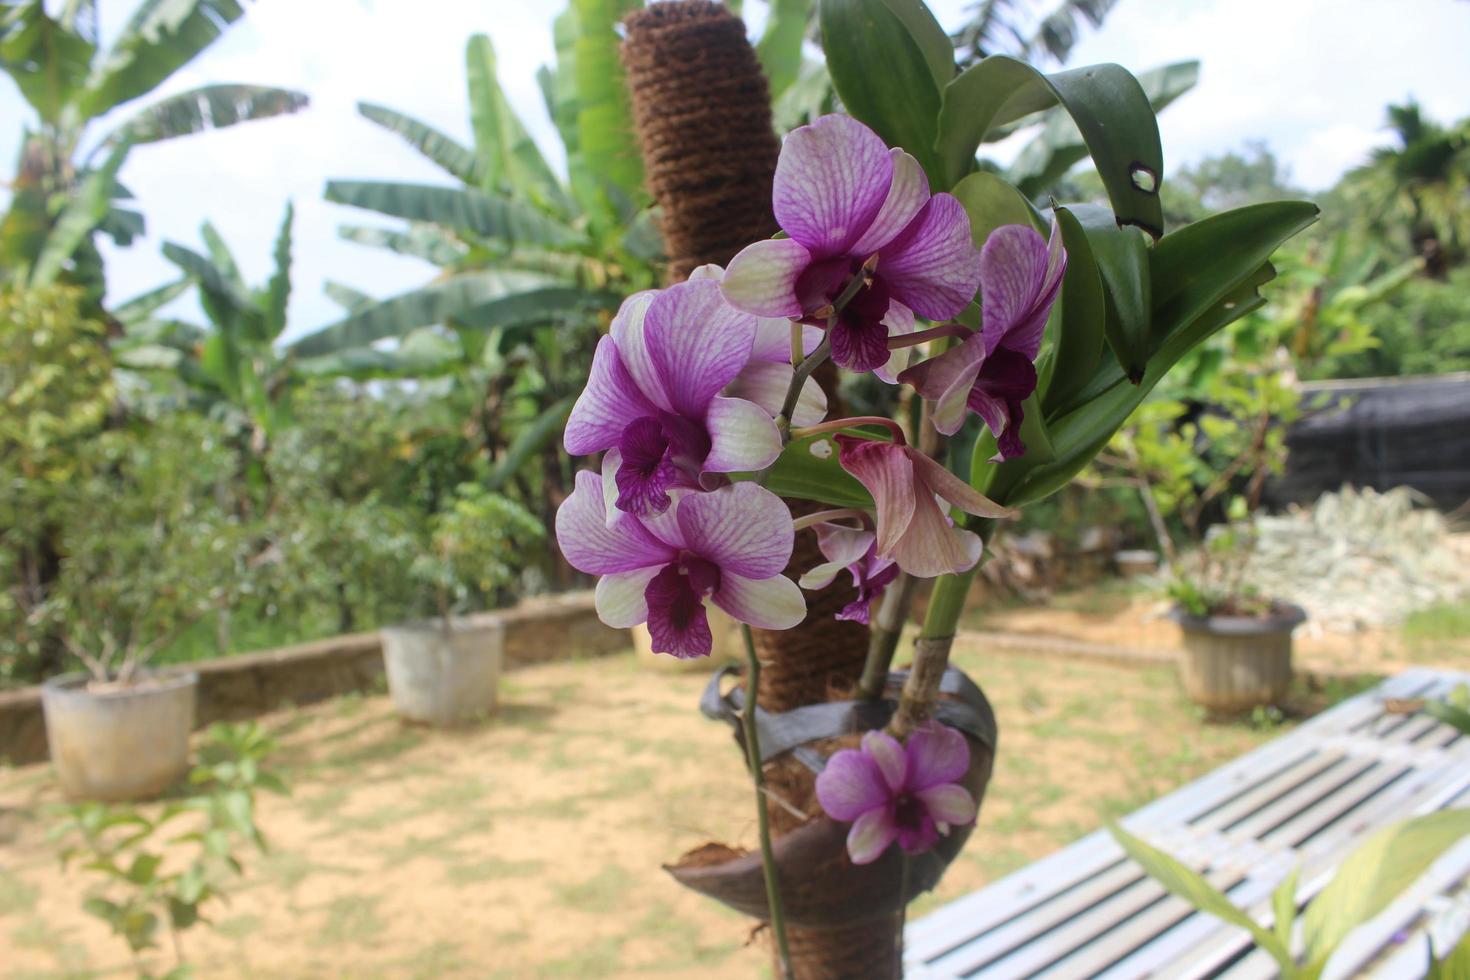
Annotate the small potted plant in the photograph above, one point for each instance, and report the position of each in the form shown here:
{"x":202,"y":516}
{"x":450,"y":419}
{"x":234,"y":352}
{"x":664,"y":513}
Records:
{"x":1237,"y":642}
{"x":445,"y":669}
{"x":163,"y":557}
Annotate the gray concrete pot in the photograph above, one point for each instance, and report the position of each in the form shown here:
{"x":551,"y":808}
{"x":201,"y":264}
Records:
{"x":444,"y":674}
{"x":119,"y":742}
{"x":1236,"y":663}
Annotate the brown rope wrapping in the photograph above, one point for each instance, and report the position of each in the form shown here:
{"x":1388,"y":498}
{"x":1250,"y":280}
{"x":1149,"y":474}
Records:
{"x":702,"y":111}
{"x":869,"y":950}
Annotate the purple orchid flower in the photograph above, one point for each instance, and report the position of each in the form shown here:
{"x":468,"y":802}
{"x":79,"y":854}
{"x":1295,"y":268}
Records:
{"x":853,"y":207}
{"x":993,"y":372}
{"x":767,"y":374}
{"x":653,"y":399}
{"x":856,"y":550}
{"x":907,"y":486}
{"x":909,"y":792}
{"x":727,"y":546}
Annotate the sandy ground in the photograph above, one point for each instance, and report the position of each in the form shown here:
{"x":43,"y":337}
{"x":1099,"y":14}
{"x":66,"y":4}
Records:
{"x":530,"y":846}
{"x":1139,"y":622}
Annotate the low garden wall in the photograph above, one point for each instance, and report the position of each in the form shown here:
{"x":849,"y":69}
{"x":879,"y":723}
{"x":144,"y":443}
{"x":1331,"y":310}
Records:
{"x":245,"y":685}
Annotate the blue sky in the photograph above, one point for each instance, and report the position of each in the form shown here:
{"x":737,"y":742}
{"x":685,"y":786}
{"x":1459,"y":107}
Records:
{"x":1310,"y":77}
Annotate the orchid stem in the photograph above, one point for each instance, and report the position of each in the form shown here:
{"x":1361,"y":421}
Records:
{"x":763,"y":822}
{"x":924,"y":336}
{"x":799,"y":374}
{"x":893,"y":612}
{"x":826,"y":516}
{"x":936,"y":637}
{"x":836,"y":425}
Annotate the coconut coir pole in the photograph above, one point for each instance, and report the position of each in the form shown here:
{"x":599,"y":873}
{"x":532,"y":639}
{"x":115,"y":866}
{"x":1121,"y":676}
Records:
{"x":702,"y":111}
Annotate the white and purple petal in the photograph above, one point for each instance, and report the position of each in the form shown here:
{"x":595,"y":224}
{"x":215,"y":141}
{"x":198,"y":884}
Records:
{"x":850,"y":785}
{"x":773,"y":603}
{"x":627,"y":331}
{"x":886,"y":472}
{"x":832,"y":179}
{"x":620,"y":597}
{"x":609,"y":402}
{"x":887,"y":754}
{"x":742,"y":528}
{"x":945,"y":381}
{"x":931,"y":545}
{"x":936,"y":754}
{"x":697,"y":343}
{"x":591,"y":546}
{"x":1021,"y":277}
{"x":762,"y":278}
{"x":743,"y":436}
{"x":907,"y":194}
{"x":871,"y":834}
{"x":766,"y":383}
{"x":932,"y":266}
{"x":950,"y":805}
{"x":899,"y":321}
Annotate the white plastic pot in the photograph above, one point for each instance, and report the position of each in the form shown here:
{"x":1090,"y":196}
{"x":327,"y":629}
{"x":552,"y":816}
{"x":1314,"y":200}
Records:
{"x":119,"y":742}
{"x":444,"y":674}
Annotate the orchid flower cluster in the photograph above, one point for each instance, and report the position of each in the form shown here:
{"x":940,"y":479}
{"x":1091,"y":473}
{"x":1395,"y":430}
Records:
{"x":698,"y":388}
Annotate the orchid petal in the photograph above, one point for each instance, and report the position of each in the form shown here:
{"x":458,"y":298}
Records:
{"x":821,"y":576}
{"x":917,"y":840}
{"x":762,"y":278}
{"x":886,"y":472}
{"x":773,"y":339}
{"x":899,"y":321}
{"x":619,"y":597}
{"x":936,"y":754}
{"x":945,"y":381}
{"x":850,"y":785}
{"x":870,"y":836}
{"x":832,"y":178}
{"x":843,"y":545}
{"x":627,"y":331}
{"x":591,"y":546}
{"x":609,"y":402}
{"x":1022,"y":275}
{"x":955,"y":491}
{"x":859,"y":345}
{"x":949,"y":804}
{"x":697,"y":342}
{"x":710,"y":270}
{"x":907,"y":194}
{"x":677,"y":621}
{"x":743,"y":528}
{"x":931,"y":545}
{"x":887,"y":753}
{"x":743,"y":437}
{"x":932,"y":267}
{"x":769,"y":603}
{"x":766,"y":383}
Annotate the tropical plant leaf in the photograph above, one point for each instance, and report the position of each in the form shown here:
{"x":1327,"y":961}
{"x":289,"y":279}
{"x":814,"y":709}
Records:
{"x":529,"y":442}
{"x":780,"y":45}
{"x":1454,"y":966}
{"x":807,"y":98}
{"x":991,"y":202}
{"x":931,"y":40}
{"x":220,"y":256}
{"x":455,"y":159}
{"x":423,"y":353}
{"x":422,"y":241}
{"x":86,"y":209}
{"x":1080,"y":331}
{"x":1375,"y":874}
{"x":1455,"y":717}
{"x":122,"y":225}
{"x":429,"y":305}
{"x":208,"y":107}
{"x":1108,"y":105}
{"x":211,"y":279}
{"x":351,"y":300}
{"x":162,"y":37}
{"x":1283,"y":907}
{"x":534,"y":306}
{"x":900,"y":103}
{"x":1198,"y":892}
{"x":145,"y":305}
{"x":499,"y":218}
{"x":509,"y":158}
{"x":44,"y":57}
{"x":605,"y":139}
{"x":278,"y":289}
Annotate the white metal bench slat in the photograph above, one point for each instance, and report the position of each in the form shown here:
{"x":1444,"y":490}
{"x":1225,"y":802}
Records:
{"x":1302,"y":799}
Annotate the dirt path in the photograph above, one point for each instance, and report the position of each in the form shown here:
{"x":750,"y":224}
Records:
{"x":530,"y":846}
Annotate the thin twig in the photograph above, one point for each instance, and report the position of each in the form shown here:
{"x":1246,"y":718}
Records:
{"x":763,"y":821}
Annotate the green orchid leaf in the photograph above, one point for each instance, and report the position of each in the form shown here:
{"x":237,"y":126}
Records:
{"x":1375,"y":874}
{"x":1108,"y":105}
{"x":809,"y":469}
{"x":1451,"y":715}
{"x":900,"y":102}
{"x":779,"y":48}
{"x":1122,"y":258}
{"x":1080,"y":338}
{"x":1194,"y":889}
{"x":990,"y":203}
{"x":1283,"y":907}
